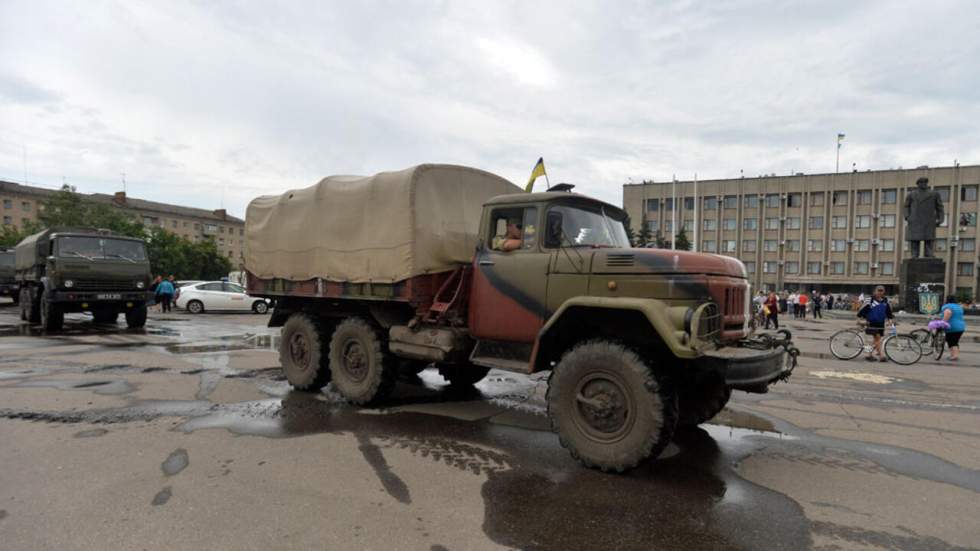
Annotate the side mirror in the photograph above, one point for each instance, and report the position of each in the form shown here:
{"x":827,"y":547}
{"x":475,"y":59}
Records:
{"x":552,"y":237}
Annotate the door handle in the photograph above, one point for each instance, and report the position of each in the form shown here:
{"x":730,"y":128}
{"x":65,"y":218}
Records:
{"x":487,"y":263}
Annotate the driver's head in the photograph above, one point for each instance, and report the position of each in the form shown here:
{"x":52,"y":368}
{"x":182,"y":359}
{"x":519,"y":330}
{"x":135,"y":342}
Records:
{"x":514,"y":229}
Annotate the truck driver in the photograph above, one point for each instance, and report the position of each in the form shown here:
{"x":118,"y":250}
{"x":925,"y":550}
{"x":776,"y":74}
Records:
{"x":511,"y":241}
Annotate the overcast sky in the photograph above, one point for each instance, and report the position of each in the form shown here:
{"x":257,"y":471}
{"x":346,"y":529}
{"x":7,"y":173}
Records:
{"x":204,"y":102}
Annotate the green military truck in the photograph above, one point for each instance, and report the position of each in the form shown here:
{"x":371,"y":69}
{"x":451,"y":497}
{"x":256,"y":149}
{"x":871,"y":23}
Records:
{"x":456,"y":267}
{"x":8,"y":279}
{"x":62,"y":270}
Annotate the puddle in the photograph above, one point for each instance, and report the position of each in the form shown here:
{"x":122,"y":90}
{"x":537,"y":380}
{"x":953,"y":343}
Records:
{"x":872,"y":378}
{"x":107,"y":387}
{"x":94,"y":433}
{"x":175,"y":462}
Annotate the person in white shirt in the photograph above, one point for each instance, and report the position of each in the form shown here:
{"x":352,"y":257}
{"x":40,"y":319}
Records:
{"x":791,"y":305}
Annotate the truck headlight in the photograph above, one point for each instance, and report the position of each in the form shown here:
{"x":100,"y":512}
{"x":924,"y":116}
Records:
{"x":140,"y":284}
{"x":69,"y":283}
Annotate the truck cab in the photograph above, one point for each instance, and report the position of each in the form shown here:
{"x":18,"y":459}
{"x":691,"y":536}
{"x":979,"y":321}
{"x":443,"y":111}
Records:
{"x":8,"y":280}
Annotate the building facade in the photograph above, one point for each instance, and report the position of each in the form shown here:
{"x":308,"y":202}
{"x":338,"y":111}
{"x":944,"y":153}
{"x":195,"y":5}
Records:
{"x":20,"y":204}
{"x":831,"y":232}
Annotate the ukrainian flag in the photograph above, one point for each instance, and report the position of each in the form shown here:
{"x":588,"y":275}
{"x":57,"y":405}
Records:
{"x":536,"y":172}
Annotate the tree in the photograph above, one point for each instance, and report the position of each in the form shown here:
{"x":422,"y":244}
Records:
{"x":68,"y":208}
{"x":11,"y":236}
{"x":171,"y":254}
{"x":644,"y":235}
{"x":661,"y":242}
{"x":682,"y":242}
{"x":630,"y":234}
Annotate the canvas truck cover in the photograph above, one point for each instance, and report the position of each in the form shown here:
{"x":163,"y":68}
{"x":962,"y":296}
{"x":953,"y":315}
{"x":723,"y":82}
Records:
{"x":382,"y":228}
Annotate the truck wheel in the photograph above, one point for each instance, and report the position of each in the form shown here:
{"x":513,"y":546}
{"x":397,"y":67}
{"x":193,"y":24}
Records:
{"x":24,"y":304}
{"x":260,"y":307}
{"x":303,"y":353}
{"x":609,"y":409}
{"x":462,"y":375}
{"x":699,"y":404}
{"x":105,"y":316}
{"x":361,"y":372}
{"x":195,"y":307}
{"x":52,"y":317}
{"x":33,"y":307}
{"x":135,"y":316}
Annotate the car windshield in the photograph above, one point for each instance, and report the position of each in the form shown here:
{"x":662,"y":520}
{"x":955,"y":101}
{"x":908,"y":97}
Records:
{"x":7,"y":259}
{"x":592,"y":227}
{"x":101,"y":248}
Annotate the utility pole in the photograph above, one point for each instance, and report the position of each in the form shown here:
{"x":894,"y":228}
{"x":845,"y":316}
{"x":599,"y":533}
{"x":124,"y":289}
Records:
{"x":696,"y":205}
{"x":673,"y":214}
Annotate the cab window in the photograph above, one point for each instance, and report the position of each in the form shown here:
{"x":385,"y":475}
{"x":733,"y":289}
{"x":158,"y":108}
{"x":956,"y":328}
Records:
{"x":513,"y":229}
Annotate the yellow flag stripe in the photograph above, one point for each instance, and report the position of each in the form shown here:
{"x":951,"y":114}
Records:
{"x":536,"y":173}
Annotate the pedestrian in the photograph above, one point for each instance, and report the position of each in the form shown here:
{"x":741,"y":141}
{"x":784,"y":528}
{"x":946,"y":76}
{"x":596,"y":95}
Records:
{"x":153,"y":290}
{"x":783,"y":302}
{"x":791,"y":304}
{"x":953,"y":315}
{"x":802,"y":300}
{"x":817,"y":305}
{"x":772,"y":305}
{"x":876,"y":311}
{"x":165,"y":290}
{"x":830,"y":301}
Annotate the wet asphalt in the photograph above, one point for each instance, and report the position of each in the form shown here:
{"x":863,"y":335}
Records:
{"x":185,"y":435}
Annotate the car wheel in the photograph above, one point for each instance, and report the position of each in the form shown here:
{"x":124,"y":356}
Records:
{"x":195,"y":307}
{"x":260,"y":307}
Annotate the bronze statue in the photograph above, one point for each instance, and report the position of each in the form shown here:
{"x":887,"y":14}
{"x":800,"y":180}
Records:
{"x":923,"y":212}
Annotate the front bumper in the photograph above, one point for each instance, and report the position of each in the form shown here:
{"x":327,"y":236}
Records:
{"x":754,"y":364}
{"x":101,"y":296}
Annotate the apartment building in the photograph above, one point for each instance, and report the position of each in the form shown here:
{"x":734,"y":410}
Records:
{"x":19,"y":204}
{"x":832,"y":232}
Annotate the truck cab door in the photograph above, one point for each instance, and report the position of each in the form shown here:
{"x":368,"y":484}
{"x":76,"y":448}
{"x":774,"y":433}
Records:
{"x":509,"y":288}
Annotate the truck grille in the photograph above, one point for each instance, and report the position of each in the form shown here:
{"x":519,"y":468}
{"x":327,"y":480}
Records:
{"x":734,"y":301}
{"x":104,"y":284}
{"x":709,"y":323}
{"x":619,"y":260}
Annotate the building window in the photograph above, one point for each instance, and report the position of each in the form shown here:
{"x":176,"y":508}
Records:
{"x":772,"y":223}
{"x":887,"y":220}
{"x":26,"y":206}
{"x":793,"y":245}
{"x":668,"y":226}
{"x":669,"y":204}
{"x":710,"y":203}
{"x":968,"y":193}
{"x":816,"y":199}
{"x":173,"y":223}
{"x":8,"y":204}
{"x":840,"y":199}
{"x":887,"y":268}
{"x":816,"y":222}
{"x":709,"y":246}
{"x":968,"y":245}
{"x":749,"y":267}
{"x":889,"y":196}
{"x":943,"y":194}
{"x":7,"y":221}
{"x":838,"y":245}
{"x":769,"y":267}
{"x":772,"y":200}
{"x":197,"y":226}
{"x":792,"y":267}
{"x":813,"y":267}
{"x":770,"y":245}
{"x":731,"y":202}
{"x":814,"y":245}
{"x":862,"y":221}
{"x":940,"y":245}
{"x":653,"y":225}
{"x":838,"y":222}
{"x":794,"y":200}
{"x":861,"y":268}
{"x":793,"y":223}
{"x":964,"y":268}
{"x":748,"y":246}
{"x":710,"y":225}
{"x":729,"y":224}
{"x":210,"y":228}
{"x":864,"y":197}
{"x":728,"y":246}
{"x":837,"y":268}
{"x":751,"y":201}
{"x":688,"y":225}
{"x":968,"y":219}
{"x":221,"y":229}
{"x":653,"y":205}
{"x":750,"y":223}
{"x":186,"y":223}
{"x":241,"y":232}
{"x":862,"y":245}
{"x":887,"y":245}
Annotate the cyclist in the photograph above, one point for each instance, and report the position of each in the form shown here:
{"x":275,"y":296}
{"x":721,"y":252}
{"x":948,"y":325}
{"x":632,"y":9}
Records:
{"x":953,"y":315}
{"x":875,"y":312}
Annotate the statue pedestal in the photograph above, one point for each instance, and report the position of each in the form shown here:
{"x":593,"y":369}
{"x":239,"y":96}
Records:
{"x":916,"y":271}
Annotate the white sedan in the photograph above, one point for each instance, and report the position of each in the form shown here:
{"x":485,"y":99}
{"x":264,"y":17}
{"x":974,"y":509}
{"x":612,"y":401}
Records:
{"x":218,"y":295}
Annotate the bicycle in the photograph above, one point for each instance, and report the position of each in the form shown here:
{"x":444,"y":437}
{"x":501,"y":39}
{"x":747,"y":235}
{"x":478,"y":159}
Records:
{"x":848,"y":344}
{"x":933,"y":339}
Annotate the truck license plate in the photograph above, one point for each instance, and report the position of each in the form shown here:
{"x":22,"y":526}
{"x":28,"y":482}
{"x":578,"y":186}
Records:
{"x":108,"y":296}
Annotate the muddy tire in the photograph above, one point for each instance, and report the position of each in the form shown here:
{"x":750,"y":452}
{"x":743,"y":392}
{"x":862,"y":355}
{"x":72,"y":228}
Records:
{"x":609,"y":409}
{"x":32,"y":306}
{"x":24,"y":305}
{"x":136,"y":317}
{"x":462,"y":375}
{"x":700,"y":403}
{"x":52,"y":316}
{"x":195,"y":307}
{"x":303,"y":353}
{"x":260,"y":307}
{"x":360,"y":370}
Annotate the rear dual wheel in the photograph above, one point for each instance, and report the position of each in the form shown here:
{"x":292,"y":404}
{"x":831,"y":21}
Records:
{"x":360,"y":367}
{"x":303,"y":353}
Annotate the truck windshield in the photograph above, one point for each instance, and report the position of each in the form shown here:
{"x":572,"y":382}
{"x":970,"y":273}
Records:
{"x":6,"y":260}
{"x":101,"y":248}
{"x":592,"y":226}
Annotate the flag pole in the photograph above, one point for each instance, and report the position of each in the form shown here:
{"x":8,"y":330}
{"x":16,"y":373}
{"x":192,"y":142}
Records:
{"x":673,"y":215}
{"x":695,"y":212}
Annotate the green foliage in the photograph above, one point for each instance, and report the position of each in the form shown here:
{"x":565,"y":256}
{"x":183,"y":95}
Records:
{"x":661,"y":242}
{"x":683,"y":244}
{"x":174,"y":255}
{"x":644,"y":236}
{"x":630,"y":234}
{"x":69,"y":208}
{"x":11,"y":236}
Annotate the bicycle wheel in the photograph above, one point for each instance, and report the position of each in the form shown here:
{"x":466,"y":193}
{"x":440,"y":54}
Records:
{"x":846,"y":344}
{"x":902,"y":349}
{"x":924,"y":338}
{"x":938,"y":344}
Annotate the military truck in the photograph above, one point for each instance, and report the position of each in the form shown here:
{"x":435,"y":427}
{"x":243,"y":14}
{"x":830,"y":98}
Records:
{"x":8,"y":281}
{"x":411,"y":268}
{"x":62,"y":270}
